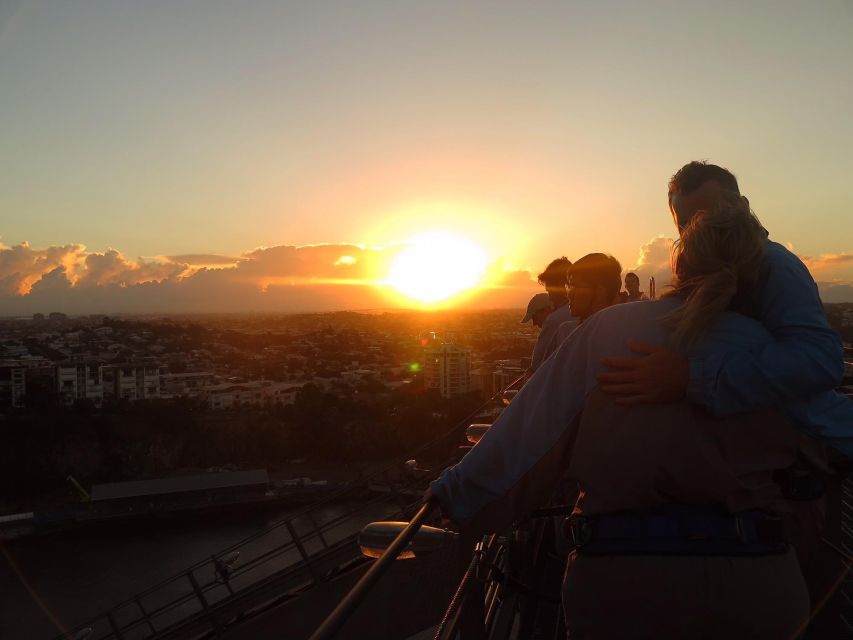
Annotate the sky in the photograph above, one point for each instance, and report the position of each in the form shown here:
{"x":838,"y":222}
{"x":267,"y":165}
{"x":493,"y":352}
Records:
{"x":225,"y":156}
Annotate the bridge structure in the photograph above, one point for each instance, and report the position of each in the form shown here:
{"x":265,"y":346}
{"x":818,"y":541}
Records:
{"x":294,"y":563}
{"x":283,"y":562}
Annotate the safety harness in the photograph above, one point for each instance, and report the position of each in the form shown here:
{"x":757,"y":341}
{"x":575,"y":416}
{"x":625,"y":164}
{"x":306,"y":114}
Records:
{"x":678,"y":530}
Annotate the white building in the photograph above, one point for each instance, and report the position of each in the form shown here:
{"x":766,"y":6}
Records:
{"x":13,"y":384}
{"x":229,"y":395}
{"x":131,"y":382}
{"x":282,"y":393}
{"x":447,"y":369}
{"x":80,"y":381}
{"x":185,"y":384}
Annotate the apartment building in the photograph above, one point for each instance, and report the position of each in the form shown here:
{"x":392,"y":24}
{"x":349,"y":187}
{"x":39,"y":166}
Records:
{"x":80,"y":381}
{"x":131,"y":382}
{"x":447,"y":369}
{"x":13,"y":384}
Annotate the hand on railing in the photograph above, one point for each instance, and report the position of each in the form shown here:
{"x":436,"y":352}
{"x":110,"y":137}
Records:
{"x":430,"y":497}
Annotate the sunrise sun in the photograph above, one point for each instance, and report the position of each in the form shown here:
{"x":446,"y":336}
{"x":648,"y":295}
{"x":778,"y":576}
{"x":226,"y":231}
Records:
{"x":437,"y":265}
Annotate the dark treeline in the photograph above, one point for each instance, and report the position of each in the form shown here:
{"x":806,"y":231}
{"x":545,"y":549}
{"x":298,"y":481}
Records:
{"x":40,"y":448}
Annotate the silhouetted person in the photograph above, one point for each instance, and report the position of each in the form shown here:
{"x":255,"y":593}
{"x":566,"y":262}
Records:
{"x":678,"y":528}
{"x":554,"y":278}
{"x":593,"y":285}
{"x":538,"y":309}
{"x":804,"y":357}
{"x":632,"y":288}
{"x":803,"y":361}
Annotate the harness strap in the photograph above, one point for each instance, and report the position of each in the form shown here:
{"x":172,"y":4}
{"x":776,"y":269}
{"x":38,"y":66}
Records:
{"x":678,"y":530}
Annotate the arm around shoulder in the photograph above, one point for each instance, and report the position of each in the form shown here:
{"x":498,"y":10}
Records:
{"x":803,"y":358}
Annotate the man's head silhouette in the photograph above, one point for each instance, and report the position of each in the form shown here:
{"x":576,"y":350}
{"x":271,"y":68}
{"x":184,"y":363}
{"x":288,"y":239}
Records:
{"x":697,"y":186}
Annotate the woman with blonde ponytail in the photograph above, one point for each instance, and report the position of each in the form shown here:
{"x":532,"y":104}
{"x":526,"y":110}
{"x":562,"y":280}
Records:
{"x":716,"y":259}
{"x":678,"y":531}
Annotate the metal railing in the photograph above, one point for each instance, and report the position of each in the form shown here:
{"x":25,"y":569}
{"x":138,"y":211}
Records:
{"x":500,"y":582}
{"x":487,"y":596}
{"x":492,"y":592}
{"x":298,"y":551}
{"x":347,"y":606}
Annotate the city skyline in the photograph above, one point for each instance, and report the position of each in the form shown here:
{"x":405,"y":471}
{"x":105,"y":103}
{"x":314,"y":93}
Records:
{"x":179,"y":158}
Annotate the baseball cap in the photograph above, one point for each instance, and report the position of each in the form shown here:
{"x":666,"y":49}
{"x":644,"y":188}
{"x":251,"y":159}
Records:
{"x":537,"y":303}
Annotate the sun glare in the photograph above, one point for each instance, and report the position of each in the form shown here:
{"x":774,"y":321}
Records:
{"x":436,"y":266}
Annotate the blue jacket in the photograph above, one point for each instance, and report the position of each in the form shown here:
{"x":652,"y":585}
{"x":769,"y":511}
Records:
{"x":804,"y":357}
{"x":549,"y":329}
{"x":515,"y":450}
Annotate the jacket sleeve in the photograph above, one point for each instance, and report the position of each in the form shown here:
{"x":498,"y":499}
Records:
{"x":804,"y":357}
{"x":517,"y":462}
{"x":540,"y":349}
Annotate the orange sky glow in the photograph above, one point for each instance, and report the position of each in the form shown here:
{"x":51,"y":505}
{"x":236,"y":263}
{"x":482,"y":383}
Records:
{"x":149,"y":168}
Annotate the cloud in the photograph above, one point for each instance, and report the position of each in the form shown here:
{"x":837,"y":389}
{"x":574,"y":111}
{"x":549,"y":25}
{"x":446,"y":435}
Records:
{"x":829,"y":262}
{"x":654,"y":262}
{"x":21,"y":265}
{"x":320,"y":261}
{"x":203,"y":260}
{"x":829,"y":269}
{"x":112,"y":268}
{"x":322,"y":277}
{"x":327,"y":277}
{"x":836,"y":291}
{"x":54,"y":281}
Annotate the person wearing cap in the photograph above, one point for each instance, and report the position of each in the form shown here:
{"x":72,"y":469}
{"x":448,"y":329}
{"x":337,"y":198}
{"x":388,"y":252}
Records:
{"x":554,"y":278}
{"x":538,"y":309}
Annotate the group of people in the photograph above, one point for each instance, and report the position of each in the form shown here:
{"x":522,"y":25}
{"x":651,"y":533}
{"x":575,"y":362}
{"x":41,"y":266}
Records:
{"x":573,"y":292}
{"x":697,"y":427}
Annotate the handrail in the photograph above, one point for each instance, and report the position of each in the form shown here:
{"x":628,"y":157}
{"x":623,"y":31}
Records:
{"x":148,"y":615}
{"x":341,"y":613}
{"x":333,"y":623}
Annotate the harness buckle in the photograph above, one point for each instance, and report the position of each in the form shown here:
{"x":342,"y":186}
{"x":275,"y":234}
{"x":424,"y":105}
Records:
{"x":580,"y":530}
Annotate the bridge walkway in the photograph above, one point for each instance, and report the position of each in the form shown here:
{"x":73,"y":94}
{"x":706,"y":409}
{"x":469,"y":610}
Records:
{"x":282,"y":561}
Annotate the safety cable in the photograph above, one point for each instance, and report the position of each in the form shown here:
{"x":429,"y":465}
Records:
{"x":454,"y":601}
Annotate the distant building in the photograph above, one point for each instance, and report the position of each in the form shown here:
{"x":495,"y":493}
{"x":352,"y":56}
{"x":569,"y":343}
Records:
{"x":481,"y":380}
{"x":80,"y":380}
{"x":282,"y":393}
{"x":185,"y":384}
{"x":502,"y":377}
{"x":230,"y":395}
{"x":13,"y":384}
{"x":447,"y":369}
{"x":131,"y":382}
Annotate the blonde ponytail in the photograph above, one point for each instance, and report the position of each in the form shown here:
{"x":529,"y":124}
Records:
{"x":718,"y":255}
